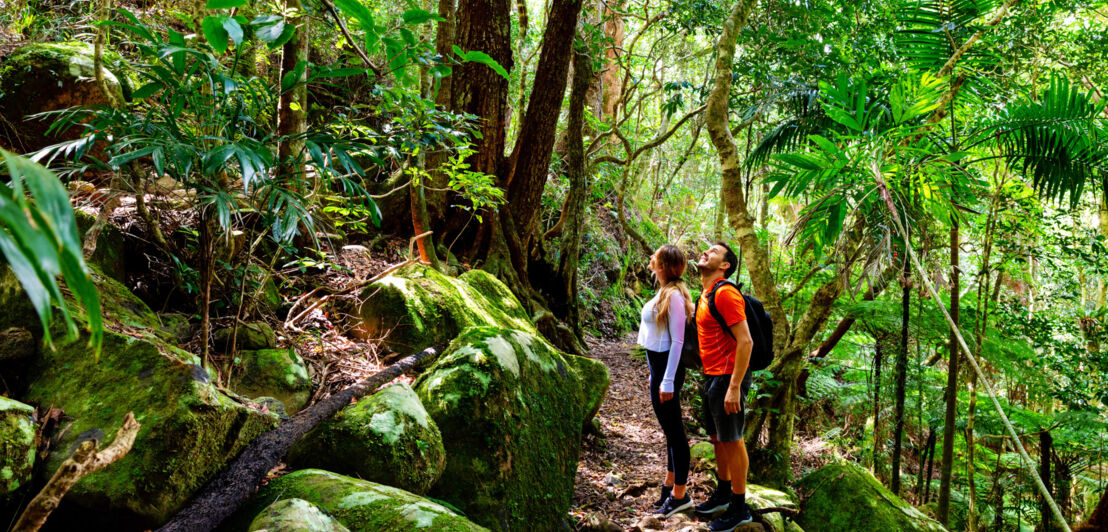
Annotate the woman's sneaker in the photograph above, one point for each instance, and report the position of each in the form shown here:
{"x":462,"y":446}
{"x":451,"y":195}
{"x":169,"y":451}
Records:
{"x":719,"y":501}
{"x":674,"y":505}
{"x":736,"y":515}
{"x":666,"y":490}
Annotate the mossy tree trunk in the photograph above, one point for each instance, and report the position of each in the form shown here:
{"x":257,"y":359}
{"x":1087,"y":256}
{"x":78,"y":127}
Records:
{"x":292,"y":118}
{"x":777,"y":408}
{"x":578,"y":187}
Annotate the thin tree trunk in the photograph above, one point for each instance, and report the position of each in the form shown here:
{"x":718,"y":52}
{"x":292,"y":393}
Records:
{"x":951,"y":395}
{"x":930,"y":471}
{"x":292,"y":108}
{"x":901,"y":370}
{"x":578,"y":186}
{"x":613,"y":30}
{"x":1046,"y":449}
{"x":878,"y":439}
{"x":922,"y":481}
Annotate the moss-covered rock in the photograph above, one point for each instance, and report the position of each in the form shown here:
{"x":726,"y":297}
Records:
{"x":417,"y":307}
{"x":17,"y":343}
{"x":46,"y":77}
{"x":190,"y":430}
{"x":279,"y":373}
{"x":360,"y":505}
{"x":387,"y":438}
{"x":250,"y":336}
{"x":511,"y":409}
{"x":17,"y":444}
{"x":759,"y":497}
{"x":109,"y":255}
{"x":294,"y":515}
{"x":845,"y":497}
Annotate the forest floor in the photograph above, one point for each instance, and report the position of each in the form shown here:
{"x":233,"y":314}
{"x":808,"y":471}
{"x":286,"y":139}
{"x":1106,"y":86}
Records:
{"x":621,"y":469}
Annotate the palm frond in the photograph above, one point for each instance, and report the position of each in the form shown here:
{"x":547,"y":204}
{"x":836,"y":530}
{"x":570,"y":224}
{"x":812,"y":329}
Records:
{"x":1057,"y":141}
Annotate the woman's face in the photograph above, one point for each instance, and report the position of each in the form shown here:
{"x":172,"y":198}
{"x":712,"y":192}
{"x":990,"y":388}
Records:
{"x":656,"y":267}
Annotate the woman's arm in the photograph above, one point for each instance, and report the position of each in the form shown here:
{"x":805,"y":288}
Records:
{"x":676,"y":340}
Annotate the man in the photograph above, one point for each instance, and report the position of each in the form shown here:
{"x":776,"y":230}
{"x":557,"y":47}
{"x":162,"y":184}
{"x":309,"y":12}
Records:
{"x":726,"y":356}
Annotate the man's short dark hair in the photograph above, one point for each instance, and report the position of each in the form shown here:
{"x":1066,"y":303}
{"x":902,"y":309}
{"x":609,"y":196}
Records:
{"x":730,"y":258}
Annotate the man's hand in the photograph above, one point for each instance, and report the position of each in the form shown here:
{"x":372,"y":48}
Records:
{"x":664,"y":396}
{"x":732,"y":402}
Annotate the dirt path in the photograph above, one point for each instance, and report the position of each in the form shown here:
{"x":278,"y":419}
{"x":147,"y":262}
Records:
{"x":620,"y":471}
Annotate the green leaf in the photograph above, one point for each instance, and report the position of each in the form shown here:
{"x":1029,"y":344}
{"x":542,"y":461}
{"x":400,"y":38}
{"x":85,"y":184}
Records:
{"x":215,"y":33}
{"x":481,"y":57}
{"x":224,"y":4}
{"x":360,"y":12}
{"x":234,"y":30}
{"x":292,"y":78}
{"x":271,"y":32}
{"x":419,"y":16}
{"x":147,"y":90}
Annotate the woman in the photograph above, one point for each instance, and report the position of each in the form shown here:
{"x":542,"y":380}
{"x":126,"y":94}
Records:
{"x":662,"y":333}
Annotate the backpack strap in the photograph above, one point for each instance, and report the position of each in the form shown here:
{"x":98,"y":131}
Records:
{"x":714,"y":311}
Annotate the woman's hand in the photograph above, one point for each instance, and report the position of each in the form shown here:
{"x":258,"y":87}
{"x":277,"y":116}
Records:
{"x":664,"y":396}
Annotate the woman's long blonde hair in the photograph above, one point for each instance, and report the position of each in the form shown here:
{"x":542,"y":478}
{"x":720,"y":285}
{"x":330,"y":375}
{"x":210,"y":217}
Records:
{"x":671,"y":260}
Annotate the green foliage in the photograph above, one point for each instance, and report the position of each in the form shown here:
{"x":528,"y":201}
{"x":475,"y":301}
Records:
{"x":38,"y":237}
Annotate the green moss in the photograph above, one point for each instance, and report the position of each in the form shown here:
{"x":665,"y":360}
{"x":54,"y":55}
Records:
{"x":279,"y":373}
{"x":845,"y":497}
{"x":360,"y":505}
{"x":294,"y":515}
{"x":387,"y":438}
{"x":17,"y":444}
{"x":110,"y":246}
{"x":249,"y":336}
{"x":417,"y":307}
{"x":759,"y":497}
{"x":189,"y":429}
{"x":513,"y":409}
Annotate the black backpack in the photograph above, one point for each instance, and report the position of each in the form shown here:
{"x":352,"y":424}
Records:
{"x":758,"y":320}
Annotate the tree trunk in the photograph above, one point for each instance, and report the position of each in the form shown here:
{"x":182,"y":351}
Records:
{"x":1046,"y":449}
{"x":578,"y":188}
{"x":292,"y":117}
{"x":613,"y":88}
{"x":1098,"y":521}
{"x":930,"y":471}
{"x":951,"y":395}
{"x":928,"y":446}
{"x":901,"y":369}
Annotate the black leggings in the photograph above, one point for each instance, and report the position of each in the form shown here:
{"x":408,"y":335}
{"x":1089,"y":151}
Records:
{"x":669,"y":416}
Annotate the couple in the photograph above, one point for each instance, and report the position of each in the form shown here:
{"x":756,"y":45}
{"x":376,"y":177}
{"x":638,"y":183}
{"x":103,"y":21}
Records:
{"x":725,"y":355}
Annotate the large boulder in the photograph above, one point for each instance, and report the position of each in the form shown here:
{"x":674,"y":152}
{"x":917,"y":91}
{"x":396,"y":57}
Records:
{"x":17,"y":444}
{"x":294,"y":515}
{"x":248,"y":336}
{"x":277,"y":373}
{"x":48,"y":77}
{"x":190,"y":430}
{"x":511,"y":409}
{"x":417,"y":307}
{"x":360,"y":505}
{"x":845,"y":497}
{"x":387,"y":438}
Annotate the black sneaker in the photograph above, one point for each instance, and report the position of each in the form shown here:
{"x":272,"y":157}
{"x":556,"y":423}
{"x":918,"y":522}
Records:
{"x":719,"y":501}
{"x":731,"y":519}
{"x":666,"y":490}
{"x":674,"y":505}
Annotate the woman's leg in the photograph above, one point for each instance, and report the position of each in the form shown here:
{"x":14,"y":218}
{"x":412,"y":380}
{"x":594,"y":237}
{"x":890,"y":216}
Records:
{"x":673,"y":427}
{"x":657,"y":370}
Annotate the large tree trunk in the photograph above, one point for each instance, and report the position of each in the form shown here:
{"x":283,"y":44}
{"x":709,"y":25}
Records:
{"x":482,"y":25}
{"x":951,"y":395}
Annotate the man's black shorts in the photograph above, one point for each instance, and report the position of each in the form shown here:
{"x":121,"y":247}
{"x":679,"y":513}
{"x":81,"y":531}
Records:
{"x":726,"y":427}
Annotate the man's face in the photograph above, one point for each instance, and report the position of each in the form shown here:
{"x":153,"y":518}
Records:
{"x":712,"y":259}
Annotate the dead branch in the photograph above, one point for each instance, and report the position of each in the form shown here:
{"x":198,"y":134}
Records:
{"x":83,"y":461}
{"x":238,"y":481}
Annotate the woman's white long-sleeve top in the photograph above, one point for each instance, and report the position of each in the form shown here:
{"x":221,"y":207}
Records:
{"x":669,"y":336}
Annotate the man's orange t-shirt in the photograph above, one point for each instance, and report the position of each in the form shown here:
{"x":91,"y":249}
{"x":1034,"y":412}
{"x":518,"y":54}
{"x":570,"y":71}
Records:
{"x":717,"y":347}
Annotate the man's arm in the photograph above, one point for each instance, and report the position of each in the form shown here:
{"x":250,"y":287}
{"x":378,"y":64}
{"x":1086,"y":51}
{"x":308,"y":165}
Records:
{"x":732,"y":402}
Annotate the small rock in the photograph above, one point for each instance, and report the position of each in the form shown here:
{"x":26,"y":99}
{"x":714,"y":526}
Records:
{"x":649,"y":522}
{"x":597,"y":523}
{"x":279,"y":373}
{"x":250,"y":336}
{"x":16,"y":343}
{"x":613,"y":480}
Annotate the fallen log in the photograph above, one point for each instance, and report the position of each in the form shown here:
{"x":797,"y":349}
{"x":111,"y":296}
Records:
{"x":239,"y":480}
